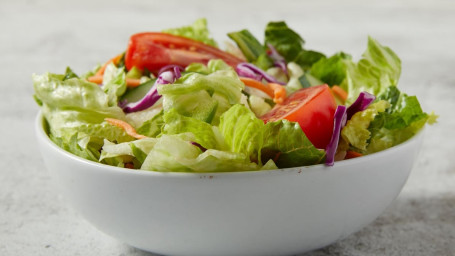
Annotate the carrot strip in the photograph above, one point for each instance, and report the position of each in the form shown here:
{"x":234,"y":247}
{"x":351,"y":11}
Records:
{"x":340,"y":93}
{"x":133,"y":82}
{"x":97,"y":79}
{"x":276,"y":91}
{"x":258,"y":85}
{"x":352,"y":154}
{"x":125,"y":126}
{"x":130,"y":82}
{"x":114,"y":60}
{"x":279,"y":93}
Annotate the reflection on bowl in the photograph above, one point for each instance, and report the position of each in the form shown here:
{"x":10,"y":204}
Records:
{"x":274,"y":212}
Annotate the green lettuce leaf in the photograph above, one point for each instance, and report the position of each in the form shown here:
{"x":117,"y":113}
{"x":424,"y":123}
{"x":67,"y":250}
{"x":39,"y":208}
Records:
{"x":248,"y":44}
{"x":69,"y":73}
{"x":378,"y":69}
{"x":114,"y":83}
{"x":242,"y":131}
{"x":290,"y":45}
{"x":402,"y":120}
{"x":306,"y":58}
{"x":153,"y":126}
{"x":286,"y":143}
{"x":75,"y":110}
{"x":171,"y":153}
{"x":286,"y":41}
{"x":331,"y":71}
{"x":72,"y":146}
{"x":138,"y":149}
{"x":197,"y":31}
{"x":204,"y":134}
{"x":201,"y":96}
{"x":356,"y":132}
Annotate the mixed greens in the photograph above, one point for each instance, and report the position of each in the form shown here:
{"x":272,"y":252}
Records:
{"x":175,"y":102}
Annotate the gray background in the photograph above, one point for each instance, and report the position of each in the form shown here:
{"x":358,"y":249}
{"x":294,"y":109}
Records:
{"x":40,"y":36}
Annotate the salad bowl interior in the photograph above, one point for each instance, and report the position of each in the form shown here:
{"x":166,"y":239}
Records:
{"x":272,"y":212}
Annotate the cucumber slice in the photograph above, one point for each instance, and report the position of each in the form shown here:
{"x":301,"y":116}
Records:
{"x":137,"y":93}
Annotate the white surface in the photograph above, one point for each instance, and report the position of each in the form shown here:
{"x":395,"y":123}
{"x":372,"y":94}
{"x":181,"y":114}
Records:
{"x":40,"y":36}
{"x":279,"y":212}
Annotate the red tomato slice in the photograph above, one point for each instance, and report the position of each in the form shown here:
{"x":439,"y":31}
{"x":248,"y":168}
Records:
{"x":313,"y":108}
{"x":153,"y":50}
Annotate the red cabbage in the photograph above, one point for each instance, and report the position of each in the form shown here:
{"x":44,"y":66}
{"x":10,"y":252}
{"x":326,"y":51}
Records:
{"x":278,"y":60}
{"x":171,"y":67}
{"x":152,"y":96}
{"x":251,"y":71}
{"x":342,"y":114}
{"x":360,"y":104}
{"x":199,"y":146}
{"x":339,"y":121}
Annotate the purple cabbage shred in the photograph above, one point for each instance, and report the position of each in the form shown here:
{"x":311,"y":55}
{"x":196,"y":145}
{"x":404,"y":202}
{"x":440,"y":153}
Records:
{"x":360,"y":104}
{"x":167,"y":75}
{"x":339,"y":121}
{"x":251,"y":71}
{"x":278,"y":60}
{"x":342,"y":115}
{"x":199,"y":146}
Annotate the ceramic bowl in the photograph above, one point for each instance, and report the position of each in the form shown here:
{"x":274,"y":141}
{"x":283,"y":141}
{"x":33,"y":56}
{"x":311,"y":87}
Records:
{"x":274,"y":212}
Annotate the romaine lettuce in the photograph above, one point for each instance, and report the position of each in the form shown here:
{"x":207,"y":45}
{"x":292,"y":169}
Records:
{"x":378,"y":69}
{"x":400,"y":122}
{"x":286,"y":143}
{"x":197,"y":31}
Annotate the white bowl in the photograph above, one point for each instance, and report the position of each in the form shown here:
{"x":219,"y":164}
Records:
{"x":276,"y":212}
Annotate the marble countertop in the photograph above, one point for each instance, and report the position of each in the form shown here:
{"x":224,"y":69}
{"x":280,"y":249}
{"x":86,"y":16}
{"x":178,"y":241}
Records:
{"x":40,"y":36}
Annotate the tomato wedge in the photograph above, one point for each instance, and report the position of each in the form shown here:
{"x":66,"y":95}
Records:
{"x":153,"y":50}
{"x":313,"y":108}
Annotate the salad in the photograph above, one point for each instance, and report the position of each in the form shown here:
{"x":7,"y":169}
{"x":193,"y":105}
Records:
{"x":173,"y":101}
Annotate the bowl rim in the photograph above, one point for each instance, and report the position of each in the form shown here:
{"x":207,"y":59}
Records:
{"x":39,"y":130}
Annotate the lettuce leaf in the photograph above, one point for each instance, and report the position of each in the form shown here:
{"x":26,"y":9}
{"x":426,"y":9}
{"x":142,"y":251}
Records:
{"x":201,"y":96}
{"x":197,"y":31}
{"x":251,"y":48}
{"x":242,"y":131}
{"x":172,"y":153}
{"x":356,"y":132}
{"x":290,"y":45}
{"x":153,"y":126}
{"x":204,"y":134}
{"x":131,"y":148}
{"x":114,"y":83}
{"x":287,"y":144}
{"x":392,"y":119}
{"x":331,"y":71}
{"x":306,"y":58}
{"x":378,"y":69}
{"x":401,"y":121}
{"x":75,"y":110}
{"x":286,"y":41}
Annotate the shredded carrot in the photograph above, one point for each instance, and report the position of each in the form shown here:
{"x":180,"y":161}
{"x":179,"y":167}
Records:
{"x":98,"y":76}
{"x":340,"y":93}
{"x":276,"y":91}
{"x":133,"y":82}
{"x":97,"y":79}
{"x":130,"y":82}
{"x":125,"y":126}
{"x":114,"y":60}
{"x":352,"y":154}
{"x":279,"y":93}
